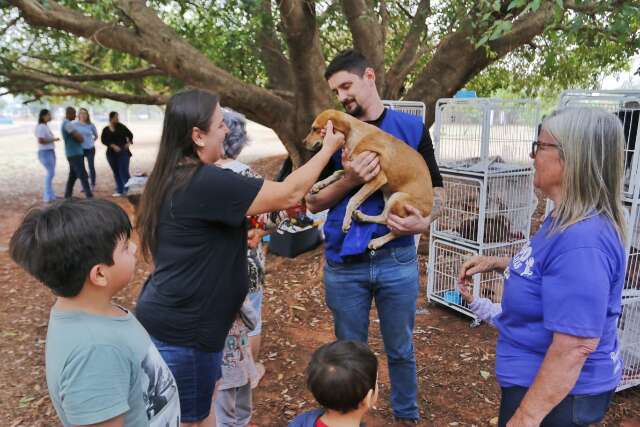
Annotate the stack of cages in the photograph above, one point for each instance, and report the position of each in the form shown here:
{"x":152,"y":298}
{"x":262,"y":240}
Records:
{"x":625,"y":104}
{"x":482,"y":147}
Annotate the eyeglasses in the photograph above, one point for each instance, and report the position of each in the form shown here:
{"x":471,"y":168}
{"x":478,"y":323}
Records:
{"x":535,"y":146}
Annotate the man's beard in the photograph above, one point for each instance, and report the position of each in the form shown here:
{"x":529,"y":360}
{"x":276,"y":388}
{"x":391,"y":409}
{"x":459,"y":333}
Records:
{"x":357,"y":111}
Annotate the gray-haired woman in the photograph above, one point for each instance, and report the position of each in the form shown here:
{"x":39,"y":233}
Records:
{"x":557,"y":356}
{"x":235,"y":141}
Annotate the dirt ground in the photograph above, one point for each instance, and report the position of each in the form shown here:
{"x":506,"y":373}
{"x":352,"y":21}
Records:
{"x":455,"y":362}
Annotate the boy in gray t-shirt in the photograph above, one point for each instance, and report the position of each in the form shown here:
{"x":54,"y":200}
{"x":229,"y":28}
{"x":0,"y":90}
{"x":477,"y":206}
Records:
{"x":101,"y":366}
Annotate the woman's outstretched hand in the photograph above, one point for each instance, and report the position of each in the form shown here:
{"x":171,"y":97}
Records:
{"x":332,"y":141}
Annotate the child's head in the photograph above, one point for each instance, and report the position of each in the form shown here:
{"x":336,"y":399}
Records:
{"x":342,"y":376}
{"x":67,"y":243}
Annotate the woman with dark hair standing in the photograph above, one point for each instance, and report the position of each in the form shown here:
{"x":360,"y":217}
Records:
{"x":89,"y":135}
{"x":192,"y":223}
{"x":46,"y":152}
{"x":118,"y":138}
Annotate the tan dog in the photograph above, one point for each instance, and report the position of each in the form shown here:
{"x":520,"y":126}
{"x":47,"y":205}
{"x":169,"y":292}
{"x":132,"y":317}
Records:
{"x":404,"y":176}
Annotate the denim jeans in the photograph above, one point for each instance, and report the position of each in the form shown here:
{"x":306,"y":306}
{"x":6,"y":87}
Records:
{"x":572,"y":411}
{"x":77,"y":171}
{"x":48,"y":160}
{"x":90,"y":155}
{"x":119,"y":163}
{"x":196,"y":373}
{"x":390,"y":276}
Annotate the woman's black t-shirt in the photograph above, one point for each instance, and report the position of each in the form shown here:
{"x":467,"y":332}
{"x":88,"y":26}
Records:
{"x":200,"y":278}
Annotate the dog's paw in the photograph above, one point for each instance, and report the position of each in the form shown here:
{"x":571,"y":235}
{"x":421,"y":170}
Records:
{"x":346,"y":224}
{"x":374,"y":244}
{"x":357,"y":215}
{"x":316,"y":189}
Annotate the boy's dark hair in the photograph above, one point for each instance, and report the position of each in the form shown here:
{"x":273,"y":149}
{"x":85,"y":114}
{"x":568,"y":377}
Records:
{"x":112,"y":114}
{"x":341,"y":374}
{"x":60,"y":243}
{"x":348,"y":60}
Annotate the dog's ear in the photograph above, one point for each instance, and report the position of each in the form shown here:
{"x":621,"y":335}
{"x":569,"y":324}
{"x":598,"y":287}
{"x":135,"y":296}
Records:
{"x":341,"y":125}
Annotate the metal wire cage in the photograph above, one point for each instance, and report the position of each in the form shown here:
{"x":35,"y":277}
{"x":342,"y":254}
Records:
{"x":626,"y":105}
{"x":485,"y":136}
{"x":491,"y":211}
{"x":415,"y":108}
{"x":445,"y":260}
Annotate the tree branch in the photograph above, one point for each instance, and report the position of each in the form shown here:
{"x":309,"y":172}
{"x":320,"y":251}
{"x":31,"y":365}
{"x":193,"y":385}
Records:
{"x":409,"y":54}
{"x":368,"y":37}
{"x":42,"y":80}
{"x":307,"y":62}
{"x":125,"y":75}
{"x":457,"y":60}
{"x":159,"y":45}
{"x":271,"y":52}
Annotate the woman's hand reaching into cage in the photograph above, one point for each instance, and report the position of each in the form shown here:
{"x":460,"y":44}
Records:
{"x":480,"y":264}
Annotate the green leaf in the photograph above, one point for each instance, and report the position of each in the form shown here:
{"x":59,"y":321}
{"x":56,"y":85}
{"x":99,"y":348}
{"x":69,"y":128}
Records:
{"x":535,"y":5}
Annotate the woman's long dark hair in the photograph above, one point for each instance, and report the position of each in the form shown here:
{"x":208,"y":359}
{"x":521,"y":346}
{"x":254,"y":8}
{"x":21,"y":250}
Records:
{"x":177,"y":159}
{"x":43,"y":113}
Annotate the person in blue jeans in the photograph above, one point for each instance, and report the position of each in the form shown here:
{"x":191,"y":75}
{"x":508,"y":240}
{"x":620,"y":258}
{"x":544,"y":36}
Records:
{"x":46,"y":153}
{"x":89,"y":135}
{"x":118,"y":138}
{"x":558,"y":359}
{"x":75,"y":155}
{"x":353,"y":275}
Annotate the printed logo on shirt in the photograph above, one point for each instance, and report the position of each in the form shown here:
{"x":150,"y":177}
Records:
{"x":524,"y":258}
{"x":160,"y":392}
{"x":617,"y":363}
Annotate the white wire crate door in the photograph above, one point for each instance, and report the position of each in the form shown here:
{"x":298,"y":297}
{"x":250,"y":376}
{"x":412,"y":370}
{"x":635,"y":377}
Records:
{"x":446,"y":259}
{"x":415,"y":108}
{"x":483,"y":135}
{"x":491,"y":211}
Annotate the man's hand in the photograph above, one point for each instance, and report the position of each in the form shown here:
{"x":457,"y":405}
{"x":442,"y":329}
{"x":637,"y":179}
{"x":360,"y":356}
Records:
{"x":115,"y":148}
{"x":415,"y":223}
{"x":363,"y":168}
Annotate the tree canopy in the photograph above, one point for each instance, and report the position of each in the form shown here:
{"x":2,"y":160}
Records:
{"x":266,"y":58}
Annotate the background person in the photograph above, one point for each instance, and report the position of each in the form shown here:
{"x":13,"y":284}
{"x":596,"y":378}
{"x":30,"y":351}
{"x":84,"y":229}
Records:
{"x":192,"y":223}
{"x":557,"y":356}
{"x":75,"y":155}
{"x":89,"y":135}
{"x":118,"y":138}
{"x":234,"y":142}
{"x":46,"y":153}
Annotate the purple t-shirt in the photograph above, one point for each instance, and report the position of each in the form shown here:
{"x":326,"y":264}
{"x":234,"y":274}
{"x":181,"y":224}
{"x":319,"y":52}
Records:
{"x":569,"y":282}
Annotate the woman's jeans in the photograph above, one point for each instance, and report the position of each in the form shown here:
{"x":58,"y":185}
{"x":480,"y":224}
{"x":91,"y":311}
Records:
{"x":90,"y":155}
{"x":77,"y":171}
{"x":390,"y":276}
{"x":572,"y":411}
{"x":48,"y":160}
{"x":119,"y":163}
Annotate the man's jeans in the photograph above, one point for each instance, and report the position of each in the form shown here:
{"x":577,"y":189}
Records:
{"x":391,"y":277}
{"x":77,"y":171}
{"x":48,"y":160}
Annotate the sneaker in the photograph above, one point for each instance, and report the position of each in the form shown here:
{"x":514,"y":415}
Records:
{"x":116,"y":195}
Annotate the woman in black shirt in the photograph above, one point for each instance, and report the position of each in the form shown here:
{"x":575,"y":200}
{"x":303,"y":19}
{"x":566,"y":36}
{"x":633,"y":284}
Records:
{"x":118,"y":138}
{"x":192,"y":223}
